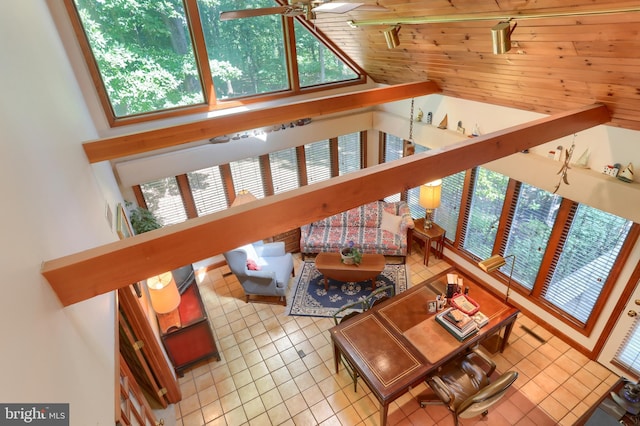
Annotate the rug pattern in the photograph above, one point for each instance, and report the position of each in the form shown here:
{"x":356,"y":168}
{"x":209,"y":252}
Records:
{"x":309,"y":298}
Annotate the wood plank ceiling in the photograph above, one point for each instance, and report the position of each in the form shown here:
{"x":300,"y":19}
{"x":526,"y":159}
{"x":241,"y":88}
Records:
{"x":555,"y":64}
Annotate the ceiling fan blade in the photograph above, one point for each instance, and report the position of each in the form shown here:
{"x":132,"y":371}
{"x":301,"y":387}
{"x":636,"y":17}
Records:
{"x":337,"y":7}
{"x":248,"y":13}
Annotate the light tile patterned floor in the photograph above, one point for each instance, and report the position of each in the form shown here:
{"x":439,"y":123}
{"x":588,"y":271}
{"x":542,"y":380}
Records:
{"x":263,"y":380}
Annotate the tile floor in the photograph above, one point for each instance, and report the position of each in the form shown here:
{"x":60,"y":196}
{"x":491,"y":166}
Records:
{"x":262,"y":380}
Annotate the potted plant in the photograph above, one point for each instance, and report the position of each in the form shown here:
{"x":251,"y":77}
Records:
{"x":142,"y":220}
{"x":351,"y":255}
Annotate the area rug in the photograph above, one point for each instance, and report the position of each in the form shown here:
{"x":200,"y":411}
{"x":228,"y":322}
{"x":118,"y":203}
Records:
{"x":309,"y":298}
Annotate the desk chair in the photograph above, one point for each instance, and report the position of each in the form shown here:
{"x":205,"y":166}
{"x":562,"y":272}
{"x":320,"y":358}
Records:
{"x":377,"y":296}
{"x":356,"y":308}
{"x":464,"y":387}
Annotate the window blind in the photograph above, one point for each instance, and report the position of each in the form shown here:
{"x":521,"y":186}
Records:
{"x":318,"y":161}
{"x":587,"y":254}
{"x":393,"y":149}
{"x":413,"y":194}
{"x":450,"y":198}
{"x":164,"y":200}
{"x":247,"y":175}
{"x":208,"y":190}
{"x":530,"y":222}
{"x":484,"y":212}
{"x":629,"y":352}
{"x":349,"y":153}
{"x":284,"y":170}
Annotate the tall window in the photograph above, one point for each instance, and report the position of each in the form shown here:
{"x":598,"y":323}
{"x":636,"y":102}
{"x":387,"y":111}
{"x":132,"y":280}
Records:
{"x":164,"y":200}
{"x":208,"y":190}
{"x":316,"y":63}
{"x":449,"y":211}
{"x":532,"y":220}
{"x":318,"y":161}
{"x":483,"y":215}
{"x":349,"y":153}
{"x":284,"y":170}
{"x":413,"y":195}
{"x":393,"y":150}
{"x":144,"y":54}
{"x":247,"y":175}
{"x":246,"y":56}
{"x":147,"y":56}
{"x":590,"y":248}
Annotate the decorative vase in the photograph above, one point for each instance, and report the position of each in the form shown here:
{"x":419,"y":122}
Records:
{"x":348,"y":257}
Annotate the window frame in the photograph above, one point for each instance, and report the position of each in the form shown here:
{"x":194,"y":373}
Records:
{"x":562,"y":224}
{"x":211,"y":102}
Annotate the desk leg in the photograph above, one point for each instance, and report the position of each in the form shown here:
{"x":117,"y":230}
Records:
{"x":507,"y":333}
{"x":336,"y":357}
{"x":326,"y":283}
{"x":383,"y":414}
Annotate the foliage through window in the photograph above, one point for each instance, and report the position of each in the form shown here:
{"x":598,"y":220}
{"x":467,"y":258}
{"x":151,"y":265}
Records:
{"x":531,"y":225}
{"x":207,"y":189}
{"x":581,"y":269}
{"x":164,"y":200}
{"x":484,"y":212}
{"x":146,"y":54}
{"x":446,"y":216}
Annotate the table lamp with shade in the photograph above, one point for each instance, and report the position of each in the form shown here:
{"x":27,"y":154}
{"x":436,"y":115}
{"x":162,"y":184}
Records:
{"x":430,"y":200}
{"x":243,"y":197}
{"x":164,"y":294}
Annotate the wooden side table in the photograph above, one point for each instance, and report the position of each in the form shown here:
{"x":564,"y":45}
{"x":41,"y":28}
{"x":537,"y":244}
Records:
{"x":428,"y":236}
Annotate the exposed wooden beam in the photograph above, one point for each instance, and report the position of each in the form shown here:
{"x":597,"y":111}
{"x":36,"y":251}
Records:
{"x":95,"y":271}
{"x":138,"y":143}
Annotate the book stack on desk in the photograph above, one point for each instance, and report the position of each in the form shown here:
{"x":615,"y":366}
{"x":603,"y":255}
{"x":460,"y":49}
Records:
{"x":456,"y":322}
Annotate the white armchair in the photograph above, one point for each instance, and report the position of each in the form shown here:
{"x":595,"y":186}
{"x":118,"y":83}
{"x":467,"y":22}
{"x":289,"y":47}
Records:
{"x":263,"y":269}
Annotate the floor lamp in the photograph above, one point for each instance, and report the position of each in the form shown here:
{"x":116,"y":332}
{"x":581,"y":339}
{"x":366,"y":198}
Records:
{"x":490,"y":265}
{"x":496,"y":262}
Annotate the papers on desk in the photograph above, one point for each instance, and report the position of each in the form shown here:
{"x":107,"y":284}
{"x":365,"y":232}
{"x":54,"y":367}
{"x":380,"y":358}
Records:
{"x":457,"y":323}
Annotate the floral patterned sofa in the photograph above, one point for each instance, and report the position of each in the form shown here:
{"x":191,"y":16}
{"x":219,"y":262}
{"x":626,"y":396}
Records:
{"x":377,"y":227}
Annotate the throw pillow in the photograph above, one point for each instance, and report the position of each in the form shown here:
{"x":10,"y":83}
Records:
{"x":390,"y":222}
{"x":252,"y":265}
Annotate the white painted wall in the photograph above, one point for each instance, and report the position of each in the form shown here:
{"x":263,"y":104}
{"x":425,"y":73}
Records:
{"x":52,"y":206}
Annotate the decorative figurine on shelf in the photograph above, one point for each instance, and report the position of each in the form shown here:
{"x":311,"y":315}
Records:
{"x":611,"y":170}
{"x":444,"y":123}
{"x":429,"y":118}
{"x":626,"y":175}
{"x":476,"y":131}
{"x":460,"y":128}
{"x":419,"y":116}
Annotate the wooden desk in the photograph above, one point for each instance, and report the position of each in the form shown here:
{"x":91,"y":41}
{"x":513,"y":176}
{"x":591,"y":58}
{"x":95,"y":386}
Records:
{"x":428,"y":237}
{"x":382,"y":346}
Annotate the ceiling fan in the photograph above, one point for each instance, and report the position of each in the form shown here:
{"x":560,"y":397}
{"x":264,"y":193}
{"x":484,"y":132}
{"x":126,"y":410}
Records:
{"x":306,"y":8}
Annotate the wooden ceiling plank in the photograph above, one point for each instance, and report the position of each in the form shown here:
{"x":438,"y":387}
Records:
{"x":106,"y":268}
{"x":138,"y":143}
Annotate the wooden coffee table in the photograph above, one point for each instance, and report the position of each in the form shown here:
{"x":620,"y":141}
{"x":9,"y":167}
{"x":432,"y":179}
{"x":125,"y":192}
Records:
{"x":330,"y":265}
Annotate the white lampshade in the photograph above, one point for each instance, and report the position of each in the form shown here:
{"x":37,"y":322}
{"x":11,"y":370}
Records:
{"x":243,"y":197}
{"x":430,"y":194}
{"x":164,"y":293}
